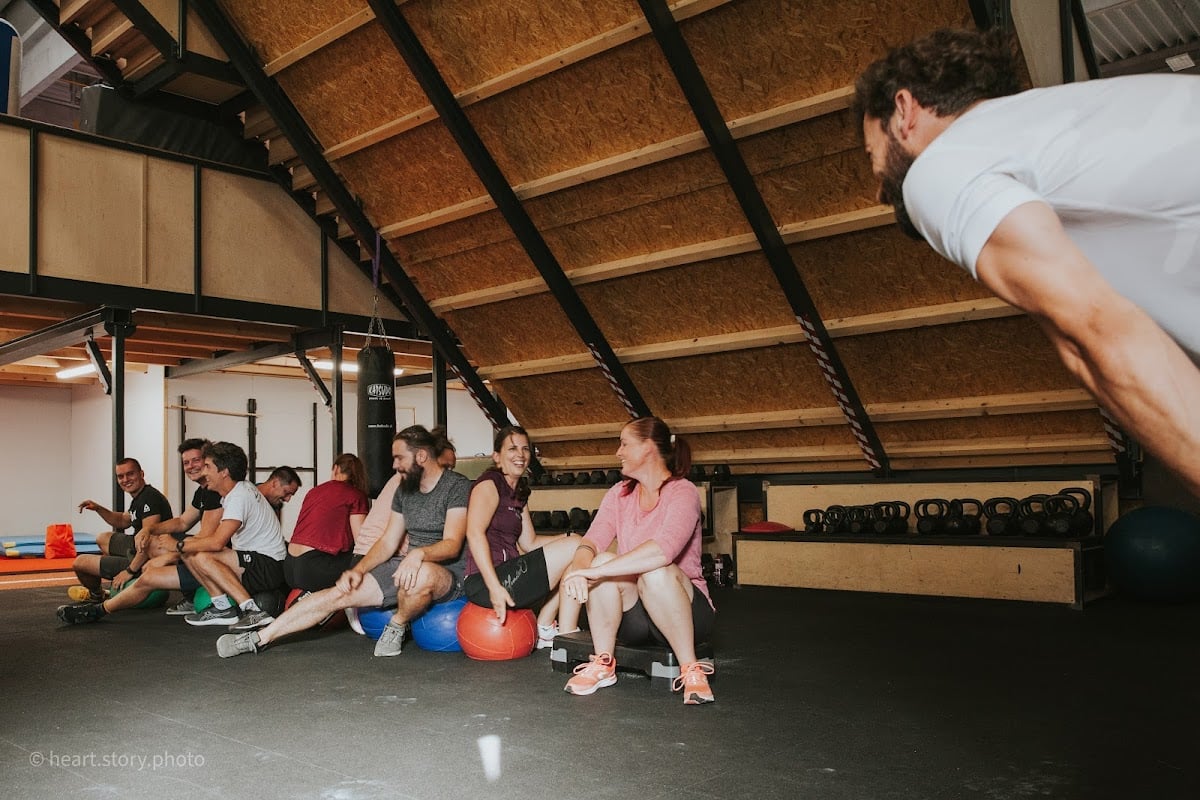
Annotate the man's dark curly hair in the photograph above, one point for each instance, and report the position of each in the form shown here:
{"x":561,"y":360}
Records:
{"x":946,"y":72}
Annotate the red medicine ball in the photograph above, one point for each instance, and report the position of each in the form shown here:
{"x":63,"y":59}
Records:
{"x":483,"y":638}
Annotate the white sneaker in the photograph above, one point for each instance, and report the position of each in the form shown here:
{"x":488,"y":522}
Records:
{"x":355,"y":625}
{"x":546,"y":634}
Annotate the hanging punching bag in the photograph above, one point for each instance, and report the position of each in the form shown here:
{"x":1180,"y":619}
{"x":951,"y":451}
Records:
{"x":376,"y":414}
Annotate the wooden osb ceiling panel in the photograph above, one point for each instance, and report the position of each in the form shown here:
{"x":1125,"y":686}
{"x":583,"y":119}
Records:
{"x":759,"y":54}
{"x":576,"y":103}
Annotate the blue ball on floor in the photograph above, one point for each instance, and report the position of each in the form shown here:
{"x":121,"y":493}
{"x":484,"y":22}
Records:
{"x":437,"y":628}
{"x":1153,"y":553}
{"x":374,"y":620}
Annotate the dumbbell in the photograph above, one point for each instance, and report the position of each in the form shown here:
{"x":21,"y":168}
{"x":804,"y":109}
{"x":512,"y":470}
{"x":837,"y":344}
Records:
{"x":697,"y":474}
{"x":546,"y":480}
{"x":721,"y":472}
{"x":962,"y":518}
{"x":1082,"y":522}
{"x":560,"y":520}
{"x":1033,"y":514}
{"x":931,"y":515}
{"x":579,"y":520}
{"x":583,"y":478}
{"x":613,"y":476}
{"x":541,"y":519}
{"x":597,"y":477}
{"x":891,"y":518}
{"x":1002,"y":516}
{"x":814,"y":521}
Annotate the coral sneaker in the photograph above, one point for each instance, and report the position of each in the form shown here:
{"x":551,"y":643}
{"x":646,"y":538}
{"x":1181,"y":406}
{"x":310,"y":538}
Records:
{"x":693,"y":679}
{"x":600,"y":671}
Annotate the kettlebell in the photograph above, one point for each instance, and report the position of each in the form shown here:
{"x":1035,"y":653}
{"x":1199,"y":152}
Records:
{"x":1002,"y":516}
{"x":931,"y":515}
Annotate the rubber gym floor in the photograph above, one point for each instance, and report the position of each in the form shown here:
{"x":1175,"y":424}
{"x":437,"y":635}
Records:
{"x":819,"y":695}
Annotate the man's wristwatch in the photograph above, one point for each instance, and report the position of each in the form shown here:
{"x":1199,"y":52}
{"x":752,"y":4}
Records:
{"x":179,"y":545}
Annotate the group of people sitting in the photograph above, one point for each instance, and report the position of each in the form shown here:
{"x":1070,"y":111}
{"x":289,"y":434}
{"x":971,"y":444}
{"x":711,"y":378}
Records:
{"x":636,"y":571}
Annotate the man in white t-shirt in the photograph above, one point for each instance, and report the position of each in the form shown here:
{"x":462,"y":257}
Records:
{"x":245,"y":555}
{"x":1079,"y":204}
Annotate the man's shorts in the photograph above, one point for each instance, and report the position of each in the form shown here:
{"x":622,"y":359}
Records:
{"x":111,"y":566}
{"x":314,"y":570}
{"x":385,"y":573}
{"x":121,"y":544}
{"x":524,"y":577}
{"x":260,"y":573}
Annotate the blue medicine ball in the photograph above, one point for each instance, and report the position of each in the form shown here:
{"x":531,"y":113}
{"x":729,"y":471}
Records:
{"x":374,"y":620}
{"x":1153,"y":553}
{"x":437,"y":628}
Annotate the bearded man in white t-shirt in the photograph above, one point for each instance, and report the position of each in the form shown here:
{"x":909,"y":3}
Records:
{"x":1079,"y":204}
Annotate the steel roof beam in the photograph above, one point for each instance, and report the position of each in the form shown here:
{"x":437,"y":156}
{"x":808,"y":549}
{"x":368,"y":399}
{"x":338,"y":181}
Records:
{"x":675,"y":49}
{"x":501,"y":192}
{"x":293,"y":126}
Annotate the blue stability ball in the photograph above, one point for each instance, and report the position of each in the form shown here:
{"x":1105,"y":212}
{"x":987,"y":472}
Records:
{"x":1153,"y":553}
{"x":437,"y":628}
{"x":374,"y":620}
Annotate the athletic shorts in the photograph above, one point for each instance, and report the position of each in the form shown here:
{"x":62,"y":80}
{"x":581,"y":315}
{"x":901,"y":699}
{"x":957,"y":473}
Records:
{"x":524,"y":577}
{"x":637,"y":628}
{"x":260,"y":573}
{"x":314,"y":570}
{"x":111,"y":566}
{"x":385,"y":573}
{"x":187,"y":581}
{"x":121,"y":544}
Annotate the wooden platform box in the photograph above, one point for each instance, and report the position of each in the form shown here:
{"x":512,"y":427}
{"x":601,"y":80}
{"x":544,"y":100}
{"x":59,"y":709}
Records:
{"x":1068,"y":571}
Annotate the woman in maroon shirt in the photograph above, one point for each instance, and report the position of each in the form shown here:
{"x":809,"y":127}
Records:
{"x":322,"y":543}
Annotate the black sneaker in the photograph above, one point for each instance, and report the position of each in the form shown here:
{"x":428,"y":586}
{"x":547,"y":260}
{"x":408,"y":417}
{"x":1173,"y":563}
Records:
{"x":211,"y":616}
{"x":81,"y":613}
{"x":251,"y":620}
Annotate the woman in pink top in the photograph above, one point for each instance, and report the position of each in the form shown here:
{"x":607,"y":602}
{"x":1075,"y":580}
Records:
{"x":651,"y":589}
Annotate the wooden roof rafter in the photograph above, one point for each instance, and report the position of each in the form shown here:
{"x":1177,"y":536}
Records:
{"x":941,"y":408}
{"x":833,"y":225}
{"x":741,"y":128}
{"x":902,"y":319}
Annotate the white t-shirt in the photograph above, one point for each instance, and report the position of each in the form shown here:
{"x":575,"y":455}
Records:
{"x":259,"y":530}
{"x":1117,"y":159}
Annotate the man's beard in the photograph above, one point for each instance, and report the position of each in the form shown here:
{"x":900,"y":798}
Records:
{"x":411,"y":481}
{"x":891,"y":183}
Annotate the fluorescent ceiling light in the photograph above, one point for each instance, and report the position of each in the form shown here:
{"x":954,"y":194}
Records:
{"x":75,"y":372}
{"x":347,"y":366}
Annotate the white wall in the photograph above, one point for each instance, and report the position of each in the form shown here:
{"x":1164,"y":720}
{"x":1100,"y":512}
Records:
{"x":58,"y":440}
{"x":35,"y":427}
{"x":91,"y":465}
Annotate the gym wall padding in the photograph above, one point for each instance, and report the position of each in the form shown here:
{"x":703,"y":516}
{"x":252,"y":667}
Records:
{"x":587,"y":122}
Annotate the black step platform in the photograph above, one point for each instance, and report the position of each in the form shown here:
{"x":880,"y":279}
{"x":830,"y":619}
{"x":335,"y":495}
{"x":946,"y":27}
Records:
{"x":657,"y":662}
